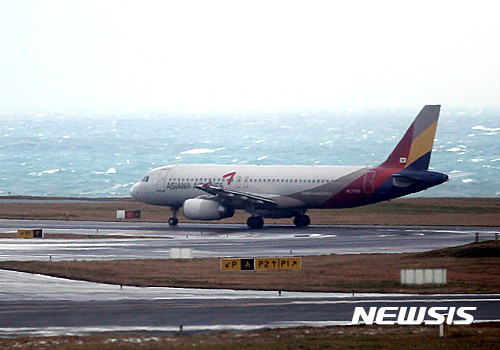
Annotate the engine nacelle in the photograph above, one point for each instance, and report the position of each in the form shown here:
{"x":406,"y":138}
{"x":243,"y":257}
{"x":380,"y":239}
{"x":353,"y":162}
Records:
{"x":206,"y":209}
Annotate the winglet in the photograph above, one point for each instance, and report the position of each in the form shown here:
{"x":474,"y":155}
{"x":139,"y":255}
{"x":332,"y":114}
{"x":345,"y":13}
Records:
{"x":414,"y":149}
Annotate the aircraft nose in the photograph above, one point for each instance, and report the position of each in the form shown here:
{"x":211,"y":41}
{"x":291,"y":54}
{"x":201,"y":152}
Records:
{"x":135,"y":191}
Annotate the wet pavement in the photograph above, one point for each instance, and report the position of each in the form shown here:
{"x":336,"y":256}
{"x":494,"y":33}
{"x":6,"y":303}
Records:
{"x":216,"y":240}
{"x":41,"y":305}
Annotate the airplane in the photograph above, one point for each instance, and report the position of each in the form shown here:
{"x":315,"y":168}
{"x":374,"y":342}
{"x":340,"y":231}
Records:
{"x":213,"y":192}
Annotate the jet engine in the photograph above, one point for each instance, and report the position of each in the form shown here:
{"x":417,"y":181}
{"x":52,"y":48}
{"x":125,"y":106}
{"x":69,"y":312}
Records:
{"x":206,"y":209}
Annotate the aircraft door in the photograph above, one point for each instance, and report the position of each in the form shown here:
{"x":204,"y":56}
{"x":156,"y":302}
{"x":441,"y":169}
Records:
{"x":238,"y":182}
{"x":245,"y":183}
{"x":161,"y":182}
{"x":369,"y":181}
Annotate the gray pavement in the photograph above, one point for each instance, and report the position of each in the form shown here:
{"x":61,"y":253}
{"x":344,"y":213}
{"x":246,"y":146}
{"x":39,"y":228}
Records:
{"x":220,"y":240}
{"x":40,"y":305}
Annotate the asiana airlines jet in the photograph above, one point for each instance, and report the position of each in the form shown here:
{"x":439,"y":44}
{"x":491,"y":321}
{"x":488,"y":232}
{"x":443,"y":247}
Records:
{"x":213,"y":192}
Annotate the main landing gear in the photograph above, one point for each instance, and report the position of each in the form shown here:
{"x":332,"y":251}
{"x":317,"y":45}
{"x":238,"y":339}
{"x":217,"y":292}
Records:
{"x":255,"y":222}
{"x":302,"y":220}
{"x":173,"y":221}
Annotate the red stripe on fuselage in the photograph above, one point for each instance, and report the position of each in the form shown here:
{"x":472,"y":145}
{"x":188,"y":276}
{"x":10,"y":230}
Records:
{"x":359,"y":191}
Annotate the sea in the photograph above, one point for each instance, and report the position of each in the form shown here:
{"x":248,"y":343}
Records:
{"x":102,"y":154}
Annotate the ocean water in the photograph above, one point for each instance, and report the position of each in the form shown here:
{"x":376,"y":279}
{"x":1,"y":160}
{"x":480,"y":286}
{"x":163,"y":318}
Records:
{"x":103,"y":154}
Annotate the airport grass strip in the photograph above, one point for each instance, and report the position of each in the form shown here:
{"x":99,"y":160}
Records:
{"x":475,"y":336}
{"x":472,"y":268}
{"x":403,"y":211}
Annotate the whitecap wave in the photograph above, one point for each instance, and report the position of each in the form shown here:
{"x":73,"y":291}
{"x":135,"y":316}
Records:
{"x":129,"y":184}
{"x":199,"y":151}
{"x":51,"y":171}
{"x":480,"y":127}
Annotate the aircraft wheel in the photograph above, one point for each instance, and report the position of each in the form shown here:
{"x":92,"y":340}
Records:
{"x":307,"y":220}
{"x":302,"y":220}
{"x":173,"y":221}
{"x":255,"y":222}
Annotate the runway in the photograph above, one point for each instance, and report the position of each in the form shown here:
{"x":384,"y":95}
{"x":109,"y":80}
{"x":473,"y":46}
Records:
{"x":41,"y":305}
{"x":219,"y":240}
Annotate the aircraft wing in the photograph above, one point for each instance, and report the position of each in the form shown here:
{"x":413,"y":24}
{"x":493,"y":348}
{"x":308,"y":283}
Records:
{"x":237,"y":197}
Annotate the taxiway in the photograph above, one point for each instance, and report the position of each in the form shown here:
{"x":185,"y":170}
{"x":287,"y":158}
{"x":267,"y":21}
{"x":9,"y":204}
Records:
{"x":154,"y":241}
{"x":41,"y":305}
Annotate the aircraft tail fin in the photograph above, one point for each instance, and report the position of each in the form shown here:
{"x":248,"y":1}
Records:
{"x":413,"y":151}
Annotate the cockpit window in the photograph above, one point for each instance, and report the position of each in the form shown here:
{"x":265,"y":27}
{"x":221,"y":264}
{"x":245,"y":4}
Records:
{"x":146,"y":179}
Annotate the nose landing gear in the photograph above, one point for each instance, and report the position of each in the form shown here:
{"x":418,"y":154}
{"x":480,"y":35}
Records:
{"x":173,"y":221}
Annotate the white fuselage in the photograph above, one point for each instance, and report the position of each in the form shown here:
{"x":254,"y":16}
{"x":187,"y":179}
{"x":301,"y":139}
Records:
{"x":310,"y":186}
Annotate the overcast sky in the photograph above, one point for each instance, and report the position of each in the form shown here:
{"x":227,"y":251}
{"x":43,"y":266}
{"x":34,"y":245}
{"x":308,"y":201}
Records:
{"x":142,"y":55}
